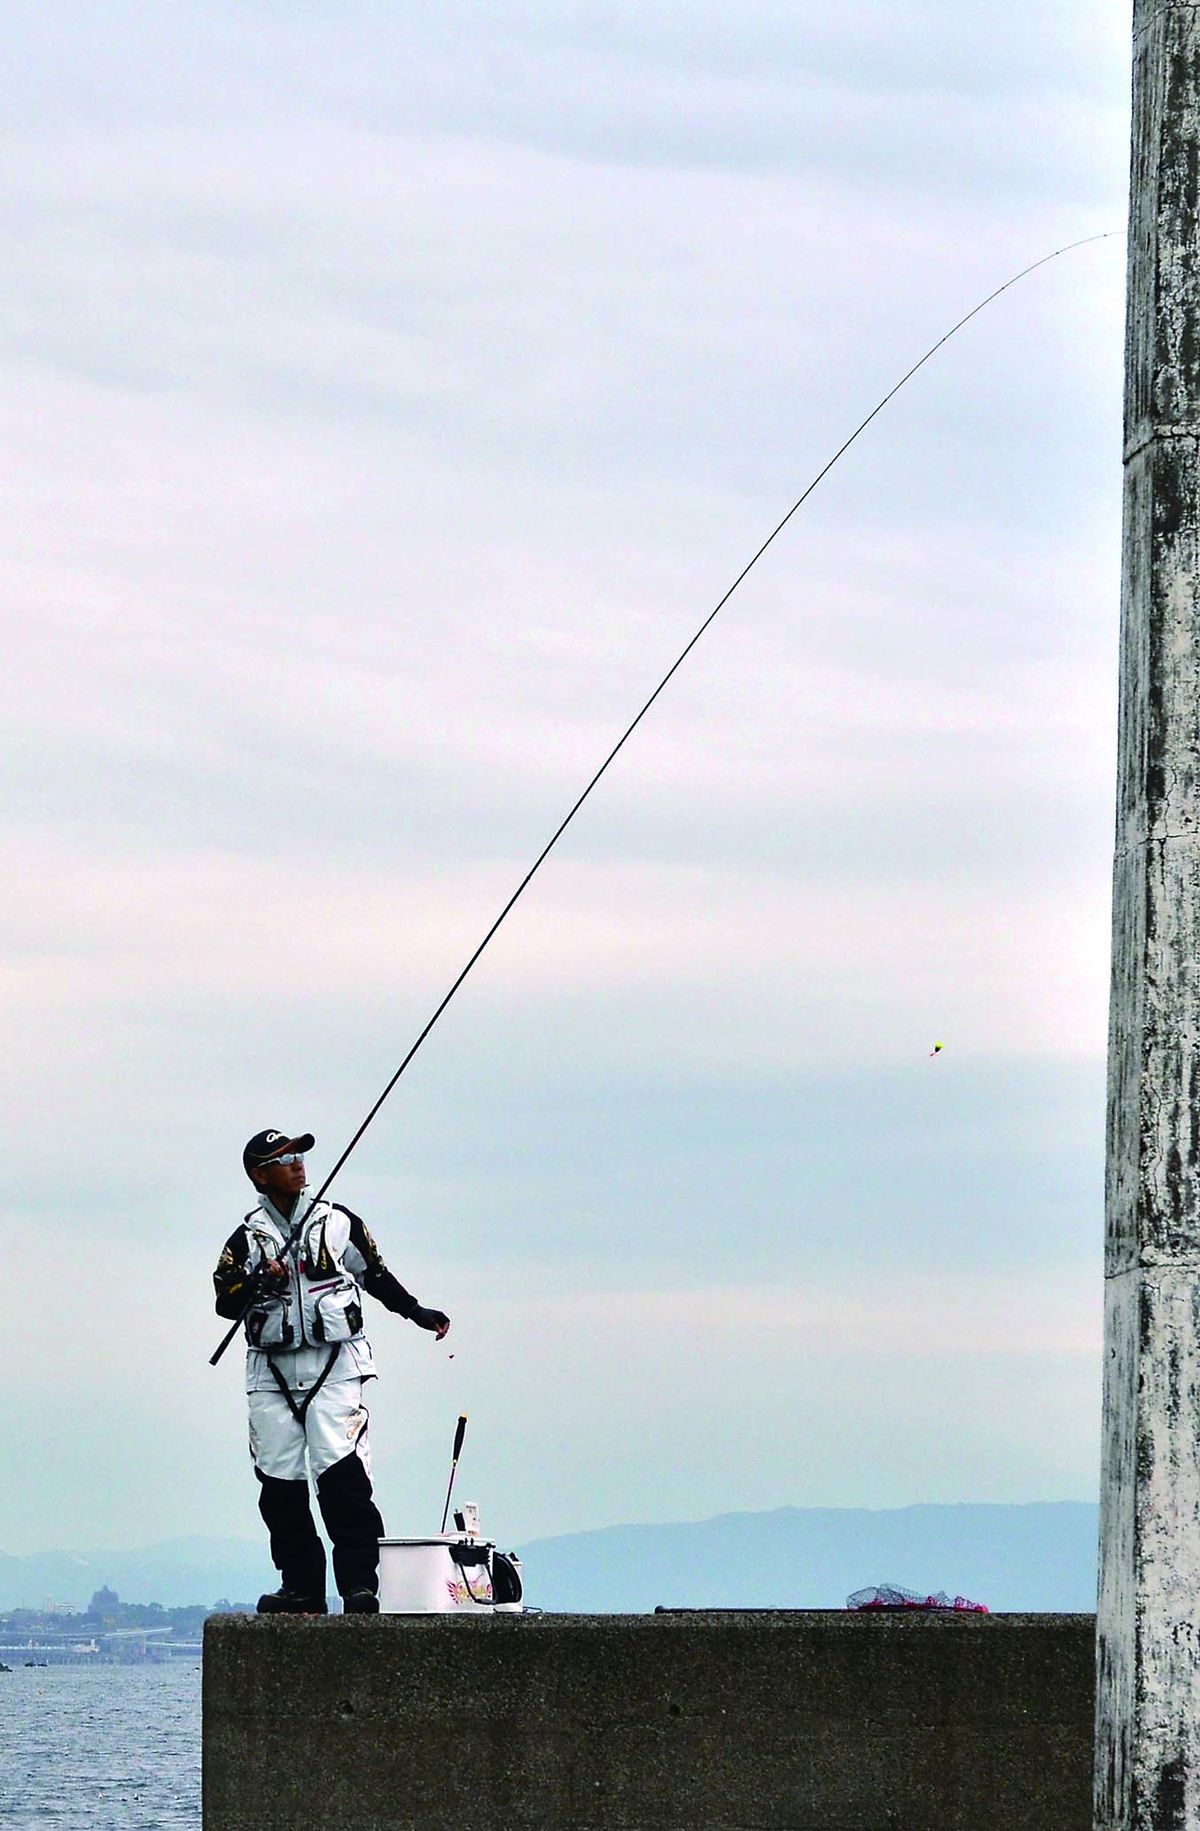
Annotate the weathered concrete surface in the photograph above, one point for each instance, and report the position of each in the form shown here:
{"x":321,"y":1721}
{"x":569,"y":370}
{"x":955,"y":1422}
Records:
{"x":814,"y":1721}
{"x":1148,"y":1693}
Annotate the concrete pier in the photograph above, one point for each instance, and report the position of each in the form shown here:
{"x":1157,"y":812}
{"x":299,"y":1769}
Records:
{"x":814,"y":1721}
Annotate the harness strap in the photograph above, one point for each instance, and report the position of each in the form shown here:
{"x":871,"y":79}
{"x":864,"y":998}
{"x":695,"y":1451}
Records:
{"x":298,"y":1411}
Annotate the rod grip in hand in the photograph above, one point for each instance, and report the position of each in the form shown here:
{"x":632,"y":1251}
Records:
{"x":252,"y":1297}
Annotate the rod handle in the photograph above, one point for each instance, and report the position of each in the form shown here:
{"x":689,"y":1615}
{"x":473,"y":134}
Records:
{"x":225,"y":1341}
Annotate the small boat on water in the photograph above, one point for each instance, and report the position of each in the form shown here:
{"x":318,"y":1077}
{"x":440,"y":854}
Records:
{"x":4,"y":1668}
{"x":37,"y":1662}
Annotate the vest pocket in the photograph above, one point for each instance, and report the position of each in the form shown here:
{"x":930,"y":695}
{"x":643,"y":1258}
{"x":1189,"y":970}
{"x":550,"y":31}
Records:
{"x":337,"y":1315}
{"x":269,"y":1325}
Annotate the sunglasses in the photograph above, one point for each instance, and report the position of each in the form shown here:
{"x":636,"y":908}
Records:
{"x":288,"y":1157}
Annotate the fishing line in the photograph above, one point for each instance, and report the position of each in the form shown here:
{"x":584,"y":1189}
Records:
{"x":621,"y":742}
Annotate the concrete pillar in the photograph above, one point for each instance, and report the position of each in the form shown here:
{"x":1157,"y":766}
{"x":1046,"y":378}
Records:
{"x":1148,"y":1677}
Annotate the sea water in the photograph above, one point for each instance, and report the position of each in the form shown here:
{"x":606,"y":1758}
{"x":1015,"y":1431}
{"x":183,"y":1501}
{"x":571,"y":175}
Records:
{"x":112,"y":1747}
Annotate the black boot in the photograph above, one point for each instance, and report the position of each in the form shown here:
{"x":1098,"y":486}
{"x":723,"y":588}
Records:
{"x":360,"y":1602}
{"x":291,"y":1602}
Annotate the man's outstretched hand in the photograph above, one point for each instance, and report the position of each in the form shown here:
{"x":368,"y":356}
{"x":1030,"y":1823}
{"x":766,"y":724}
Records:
{"x":435,"y":1320}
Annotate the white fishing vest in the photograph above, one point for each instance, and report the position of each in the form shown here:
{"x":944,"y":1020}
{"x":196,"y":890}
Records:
{"x":322,"y":1302}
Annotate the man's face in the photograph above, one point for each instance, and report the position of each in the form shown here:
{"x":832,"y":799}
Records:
{"x":282,"y":1177}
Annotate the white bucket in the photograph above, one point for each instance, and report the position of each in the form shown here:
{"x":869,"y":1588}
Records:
{"x":423,"y":1577}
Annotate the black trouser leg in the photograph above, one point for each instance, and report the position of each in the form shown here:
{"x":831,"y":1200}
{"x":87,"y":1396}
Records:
{"x":296,"y":1551}
{"x":353,"y":1524}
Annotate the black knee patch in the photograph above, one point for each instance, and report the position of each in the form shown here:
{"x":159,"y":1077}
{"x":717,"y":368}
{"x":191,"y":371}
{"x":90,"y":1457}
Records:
{"x":282,"y":1496}
{"x":348,"y":1477}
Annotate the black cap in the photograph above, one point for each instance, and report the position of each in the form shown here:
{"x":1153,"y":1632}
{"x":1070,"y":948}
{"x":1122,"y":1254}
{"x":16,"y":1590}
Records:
{"x":270,"y":1144}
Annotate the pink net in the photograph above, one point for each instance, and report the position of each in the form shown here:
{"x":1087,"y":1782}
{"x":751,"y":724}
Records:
{"x":887,"y":1595}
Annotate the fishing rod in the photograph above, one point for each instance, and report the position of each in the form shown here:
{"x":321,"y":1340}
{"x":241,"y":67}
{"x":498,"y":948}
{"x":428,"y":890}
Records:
{"x":543,"y":855}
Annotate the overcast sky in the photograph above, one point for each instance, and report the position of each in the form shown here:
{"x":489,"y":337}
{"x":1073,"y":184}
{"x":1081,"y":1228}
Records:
{"x":386,"y":394}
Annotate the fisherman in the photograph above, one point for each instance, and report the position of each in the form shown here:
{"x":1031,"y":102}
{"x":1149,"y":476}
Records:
{"x":307,"y":1364}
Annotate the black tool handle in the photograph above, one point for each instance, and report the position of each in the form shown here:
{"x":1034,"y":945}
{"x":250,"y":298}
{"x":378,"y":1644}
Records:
{"x":459,"y":1434}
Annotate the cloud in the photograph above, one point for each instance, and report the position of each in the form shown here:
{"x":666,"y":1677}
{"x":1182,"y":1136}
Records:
{"x":385,"y":399}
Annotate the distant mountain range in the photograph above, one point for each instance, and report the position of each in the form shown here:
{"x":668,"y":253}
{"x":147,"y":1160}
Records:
{"x":1038,"y":1557}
